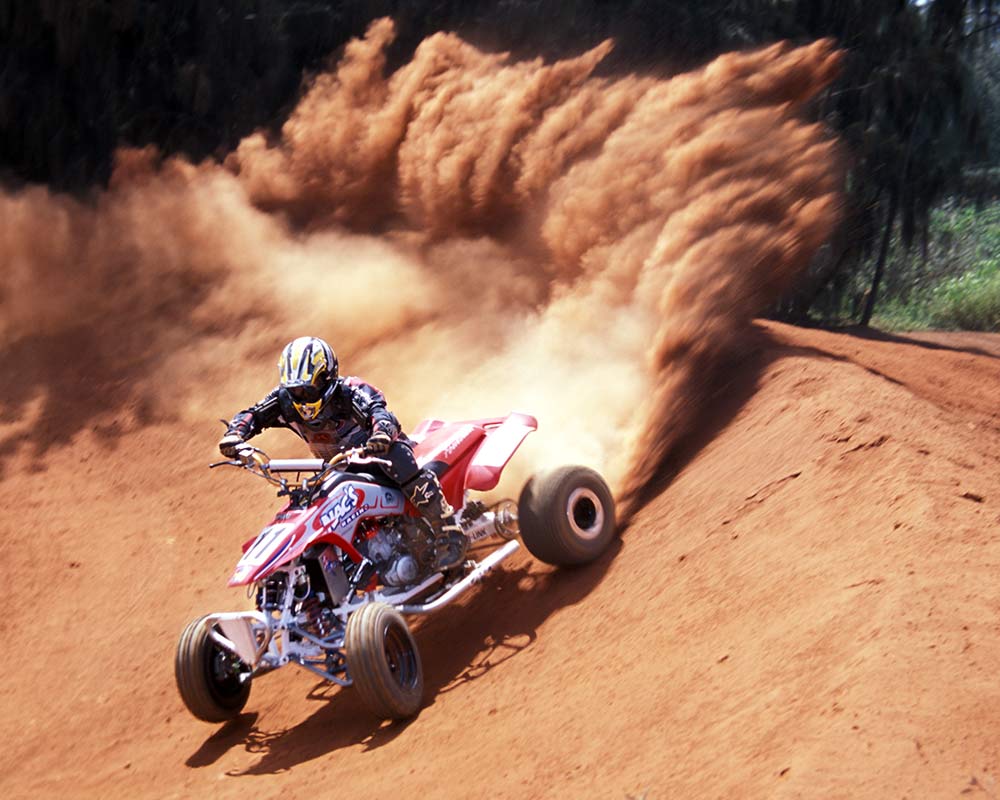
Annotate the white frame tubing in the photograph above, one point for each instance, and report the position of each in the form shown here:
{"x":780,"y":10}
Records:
{"x":476,"y":576}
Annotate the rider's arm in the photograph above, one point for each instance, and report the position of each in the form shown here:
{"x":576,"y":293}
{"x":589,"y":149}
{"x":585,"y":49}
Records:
{"x":368,"y":408}
{"x":251,"y":421}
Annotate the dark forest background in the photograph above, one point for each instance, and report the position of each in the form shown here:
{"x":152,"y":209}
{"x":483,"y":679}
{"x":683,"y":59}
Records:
{"x":918,"y":102}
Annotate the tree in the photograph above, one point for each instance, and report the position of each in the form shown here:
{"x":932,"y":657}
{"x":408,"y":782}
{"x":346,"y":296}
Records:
{"x":918,"y":98}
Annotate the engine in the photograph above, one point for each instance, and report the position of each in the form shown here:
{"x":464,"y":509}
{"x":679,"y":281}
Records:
{"x":402,"y":550}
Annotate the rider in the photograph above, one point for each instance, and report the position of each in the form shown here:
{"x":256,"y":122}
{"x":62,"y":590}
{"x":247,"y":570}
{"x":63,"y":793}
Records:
{"x":334,"y":414}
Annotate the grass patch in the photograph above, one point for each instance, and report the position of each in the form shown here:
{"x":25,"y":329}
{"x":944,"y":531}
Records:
{"x":957,"y":285}
{"x":970,"y":301}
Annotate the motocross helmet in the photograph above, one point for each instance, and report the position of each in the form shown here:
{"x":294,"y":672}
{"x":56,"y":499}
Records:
{"x":308,"y":371}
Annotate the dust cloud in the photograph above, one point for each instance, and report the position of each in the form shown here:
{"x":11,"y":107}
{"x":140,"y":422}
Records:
{"x":473,"y":235}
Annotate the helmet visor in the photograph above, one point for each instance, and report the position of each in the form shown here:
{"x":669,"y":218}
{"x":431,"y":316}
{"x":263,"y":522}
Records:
{"x":305,"y":393}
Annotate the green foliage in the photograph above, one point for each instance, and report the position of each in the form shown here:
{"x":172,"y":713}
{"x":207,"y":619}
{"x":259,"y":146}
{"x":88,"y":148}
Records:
{"x":960,"y":238}
{"x":986,"y":68}
{"x":957,"y":284}
{"x":969,"y":302}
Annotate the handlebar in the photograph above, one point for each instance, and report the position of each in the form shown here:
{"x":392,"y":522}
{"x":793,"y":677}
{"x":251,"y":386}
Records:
{"x":257,"y":462}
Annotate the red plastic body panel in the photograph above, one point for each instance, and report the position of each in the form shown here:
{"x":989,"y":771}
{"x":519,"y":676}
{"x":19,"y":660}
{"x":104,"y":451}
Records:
{"x":452,"y":444}
{"x":294,"y":529}
{"x":493,"y":455}
{"x":476,"y":451}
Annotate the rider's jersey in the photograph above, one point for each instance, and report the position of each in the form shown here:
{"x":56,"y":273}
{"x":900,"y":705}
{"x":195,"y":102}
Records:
{"x":353,"y":412}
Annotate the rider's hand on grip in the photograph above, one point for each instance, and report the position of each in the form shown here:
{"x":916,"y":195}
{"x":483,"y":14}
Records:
{"x":230,"y":444}
{"x":378,"y":444}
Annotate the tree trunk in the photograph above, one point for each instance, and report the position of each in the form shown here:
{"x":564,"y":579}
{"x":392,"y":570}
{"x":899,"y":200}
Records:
{"x":825,"y":266}
{"x":883,"y":254}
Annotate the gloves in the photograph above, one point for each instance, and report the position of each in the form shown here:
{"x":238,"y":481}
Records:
{"x":378,"y":443}
{"x":229,"y":444}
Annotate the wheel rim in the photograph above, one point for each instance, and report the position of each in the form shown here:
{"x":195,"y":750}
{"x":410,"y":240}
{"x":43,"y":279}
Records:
{"x":225,"y":672}
{"x":400,"y":657}
{"x":585,"y":513}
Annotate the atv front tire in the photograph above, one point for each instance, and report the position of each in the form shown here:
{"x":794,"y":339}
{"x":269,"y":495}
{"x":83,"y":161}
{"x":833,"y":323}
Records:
{"x":566,"y":516}
{"x":213,"y":683}
{"x":384,"y":662}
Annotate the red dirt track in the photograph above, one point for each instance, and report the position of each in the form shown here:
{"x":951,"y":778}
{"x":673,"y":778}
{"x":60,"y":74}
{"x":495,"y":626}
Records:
{"x":809,"y":607}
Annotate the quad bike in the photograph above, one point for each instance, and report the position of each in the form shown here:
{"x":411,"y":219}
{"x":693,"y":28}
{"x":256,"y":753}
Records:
{"x":336,"y":570}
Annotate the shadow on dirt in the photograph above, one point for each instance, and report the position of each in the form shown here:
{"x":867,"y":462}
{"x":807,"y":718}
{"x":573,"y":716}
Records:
{"x":806,"y":351}
{"x":100,"y":378}
{"x":947,"y":375}
{"x":726,"y":385}
{"x":67,"y":382}
{"x":914,"y":339}
{"x":225,"y":738}
{"x":459,"y":645}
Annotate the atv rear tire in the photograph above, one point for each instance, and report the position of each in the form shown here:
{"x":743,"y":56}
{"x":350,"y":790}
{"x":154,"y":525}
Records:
{"x":384,"y":662}
{"x":213,"y":683}
{"x":566,"y":516}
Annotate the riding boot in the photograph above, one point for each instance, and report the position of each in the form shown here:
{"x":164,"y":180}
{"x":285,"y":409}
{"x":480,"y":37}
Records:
{"x":450,"y":543}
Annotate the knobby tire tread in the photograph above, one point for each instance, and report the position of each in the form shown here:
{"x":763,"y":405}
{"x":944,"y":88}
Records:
{"x":368,"y":668}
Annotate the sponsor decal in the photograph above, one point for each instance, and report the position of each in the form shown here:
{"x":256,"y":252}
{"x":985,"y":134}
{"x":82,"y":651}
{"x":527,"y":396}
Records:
{"x":422,"y":495}
{"x":345,"y":508}
{"x":391,"y":501}
{"x":327,"y":559}
{"x":482,"y":533}
{"x":454,"y":442}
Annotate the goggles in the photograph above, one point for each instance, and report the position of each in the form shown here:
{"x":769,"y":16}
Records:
{"x":306,"y":393}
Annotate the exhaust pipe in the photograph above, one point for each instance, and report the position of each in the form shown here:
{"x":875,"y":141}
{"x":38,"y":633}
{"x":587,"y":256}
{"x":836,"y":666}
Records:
{"x":482,"y":569}
{"x":500,"y":521}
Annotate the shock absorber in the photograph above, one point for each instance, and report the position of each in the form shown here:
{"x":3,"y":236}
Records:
{"x":271,"y":592}
{"x":317,"y":618}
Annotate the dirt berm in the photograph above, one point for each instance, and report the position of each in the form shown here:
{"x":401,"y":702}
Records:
{"x":809,"y":608}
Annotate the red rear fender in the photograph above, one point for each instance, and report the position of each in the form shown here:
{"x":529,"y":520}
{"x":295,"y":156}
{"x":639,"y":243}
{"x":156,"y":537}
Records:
{"x":448,"y":443}
{"x":493,"y":454}
{"x":475,"y":451}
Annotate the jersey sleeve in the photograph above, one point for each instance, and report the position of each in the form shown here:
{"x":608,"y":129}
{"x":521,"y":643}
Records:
{"x":369,"y":409}
{"x":251,"y":421}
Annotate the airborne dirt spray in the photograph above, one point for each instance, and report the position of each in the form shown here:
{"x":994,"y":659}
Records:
{"x":474,"y":235}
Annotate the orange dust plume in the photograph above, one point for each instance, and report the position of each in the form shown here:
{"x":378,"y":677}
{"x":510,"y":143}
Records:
{"x":637,"y":225}
{"x":471,"y":233}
